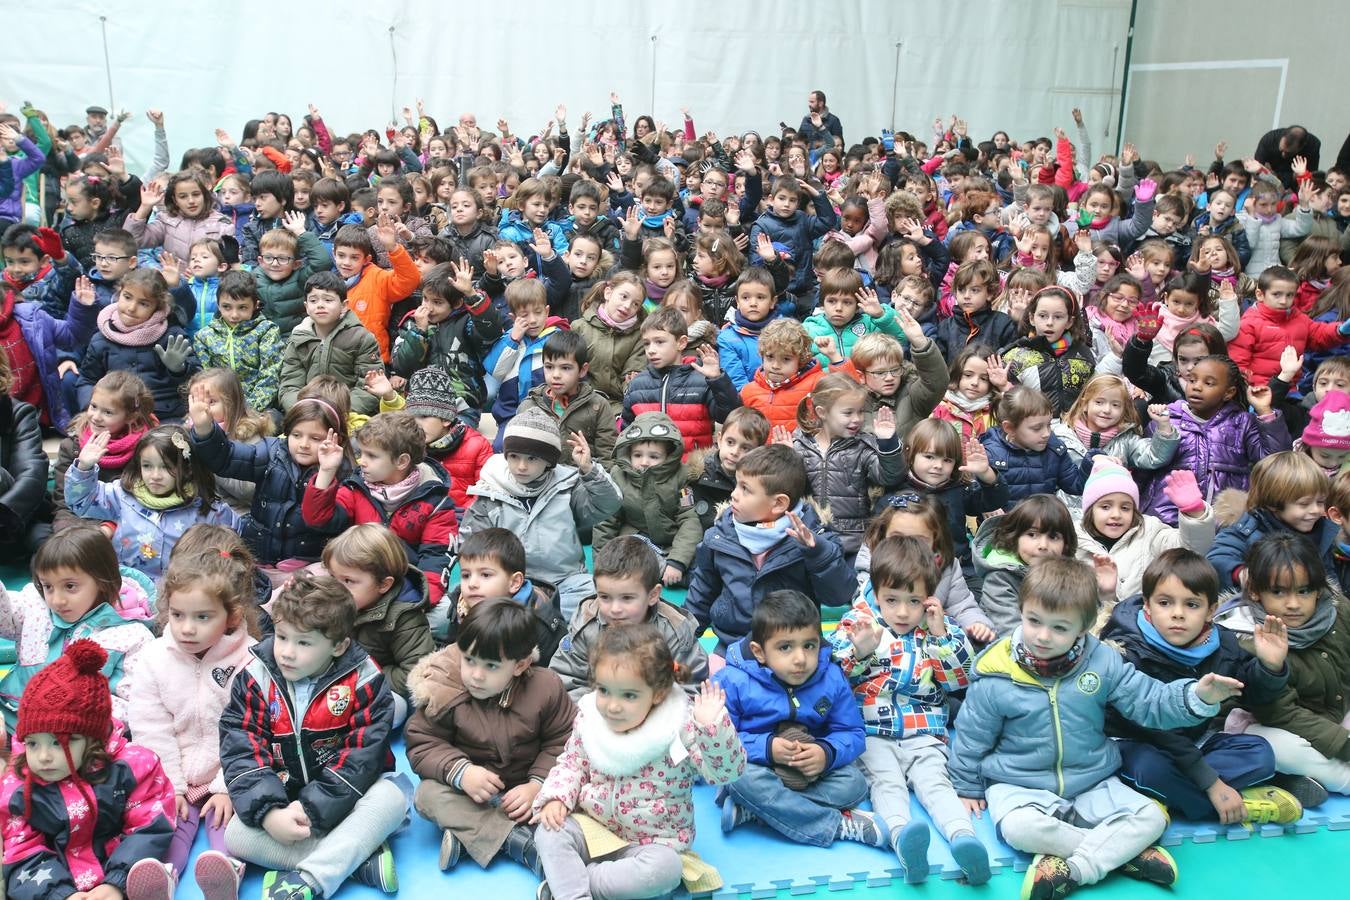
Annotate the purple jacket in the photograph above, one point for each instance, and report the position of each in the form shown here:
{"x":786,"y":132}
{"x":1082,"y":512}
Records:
{"x":11,"y":205}
{"x":45,"y":336}
{"x":1221,"y":452}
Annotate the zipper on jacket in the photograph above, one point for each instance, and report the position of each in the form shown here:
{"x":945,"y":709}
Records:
{"x":1059,"y":736}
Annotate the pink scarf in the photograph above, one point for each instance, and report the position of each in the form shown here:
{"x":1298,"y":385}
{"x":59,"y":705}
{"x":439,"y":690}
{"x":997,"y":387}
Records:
{"x":1121,"y":331}
{"x":1086,"y":435}
{"x":1027,"y":261}
{"x":1223,"y":276}
{"x":142,"y":335}
{"x":391,"y":495}
{"x":622,"y":327}
{"x":714,"y":281}
{"x":119,"y":448}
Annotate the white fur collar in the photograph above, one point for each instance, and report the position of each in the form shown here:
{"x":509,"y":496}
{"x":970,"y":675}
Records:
{"x":626,"y":754}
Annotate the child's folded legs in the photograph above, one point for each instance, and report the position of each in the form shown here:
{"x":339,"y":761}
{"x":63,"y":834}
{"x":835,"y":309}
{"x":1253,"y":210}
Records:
{"x":647,"y":870}
{"x":809,"y":816}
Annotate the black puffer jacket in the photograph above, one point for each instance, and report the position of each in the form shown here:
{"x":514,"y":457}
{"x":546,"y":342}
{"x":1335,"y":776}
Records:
{"x":473,"y":245}
{"x":23,"y":470}
{"x":842,"y":476}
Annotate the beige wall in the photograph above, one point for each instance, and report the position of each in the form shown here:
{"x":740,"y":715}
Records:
{"x":1171,"y":112}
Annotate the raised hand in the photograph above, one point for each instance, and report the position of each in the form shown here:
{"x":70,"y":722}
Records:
{"x":156,"y":117}
{"x":869,"y":303}
{"x":632,"y":225}
{"x":581,"y":452}
{"x":780,"y":434}
{"x":1270,"y":642}
{"x":745,"y":162}
{"x":152,"y":194}
{"x":379,"y":385}
{"x":998,"y":372}
{"x":977,"y":460}
{"x":170,"y":268}
{"x":1134,"y":264}
{"x":294,"y":222}
{"x":668,"y":227}
{"x":199,"y":410}
{"x":799,"y":532}
{"x":1214,"y":689}
{"x":223,"y":139}
{"x":828,"y":346}
{"x":710,"y":705}
{"x":463,"y":276}
{"x":84,"y":291}
{"x":1181,"y":488}
{"x":1149,"y":323}
{"x":1261,"y":398}
{"x":490,"y":262}
{"x":865,"y":635}
{"x":387,"y":232}
{"x":708,"y":363}
{"x":883,"y":424}
{"x":934,"y":623}
{"x":1290,"y":363}
{"x":542,"y":244}
{"x":1299,"y":166}
{"x":1220,"y":149}
{"x":1162,"y":419}
{"x":174,"y":353}
{"x":910,"y":328}
{"x":93,"y":450}
{"x":1108,"y":575}
{"x":330,"y":452}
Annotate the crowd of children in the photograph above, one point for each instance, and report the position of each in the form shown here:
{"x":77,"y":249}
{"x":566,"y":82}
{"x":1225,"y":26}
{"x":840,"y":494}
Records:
{"x":406,"y":433}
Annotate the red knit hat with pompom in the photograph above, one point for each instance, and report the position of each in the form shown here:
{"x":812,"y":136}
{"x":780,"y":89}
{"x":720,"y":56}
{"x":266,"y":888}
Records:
{"x":70,"y":696}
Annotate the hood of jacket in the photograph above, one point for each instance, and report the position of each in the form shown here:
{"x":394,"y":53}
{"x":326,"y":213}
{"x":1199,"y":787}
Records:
{"x":988,"y":558}
{"x":656,"y":427}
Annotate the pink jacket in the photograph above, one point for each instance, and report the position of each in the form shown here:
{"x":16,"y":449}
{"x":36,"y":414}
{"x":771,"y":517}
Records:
{"x":177,"y":234}
{"x":639,"y":784}
{"x":176,"y":705}
{"x":864,"y":243}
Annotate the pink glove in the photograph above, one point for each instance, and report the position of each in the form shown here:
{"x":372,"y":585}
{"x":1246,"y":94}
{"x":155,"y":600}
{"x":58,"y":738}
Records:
{"x":1181,"y":489}
{"x":1149,"y":322}
{"x":1144,"y":190}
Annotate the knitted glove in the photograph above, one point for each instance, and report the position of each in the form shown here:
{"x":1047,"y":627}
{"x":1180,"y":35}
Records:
{"x":1181,"y":489}
{"x":1149,"y":323}
{"x":174,"y":353}
{"x":1343,"y":329}
{"x":49,"y":242}
{"x":1144,"y":190}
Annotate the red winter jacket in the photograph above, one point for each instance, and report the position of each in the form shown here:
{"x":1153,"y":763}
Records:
{"x":463,"y":459}
{"x":1265,"y":332}
{"x":425,"y":521}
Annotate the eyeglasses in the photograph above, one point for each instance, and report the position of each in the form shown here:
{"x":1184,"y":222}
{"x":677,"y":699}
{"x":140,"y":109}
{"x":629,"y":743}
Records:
{"x":883,"y":373}
{"x":105,"y":258}
{"x":1122,"y":297}
{"x":278,"y":260}
{"x":903,"y":501}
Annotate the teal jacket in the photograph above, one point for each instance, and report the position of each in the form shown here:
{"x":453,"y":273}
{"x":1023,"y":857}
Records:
{"x":847,"y":335}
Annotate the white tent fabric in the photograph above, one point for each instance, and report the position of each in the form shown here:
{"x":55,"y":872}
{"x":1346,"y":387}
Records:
{"x":738,"y":65}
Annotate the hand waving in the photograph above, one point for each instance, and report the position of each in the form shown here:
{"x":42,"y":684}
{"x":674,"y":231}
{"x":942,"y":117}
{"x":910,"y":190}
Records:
{"x":710,"y":704}
{"x":174,"y":353}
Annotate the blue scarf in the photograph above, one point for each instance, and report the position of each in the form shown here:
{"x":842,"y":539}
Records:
{"x":657,"y":222}
{"x":1190,"y":656}
{"x":745,"y":326}
{"x":763,"y":537}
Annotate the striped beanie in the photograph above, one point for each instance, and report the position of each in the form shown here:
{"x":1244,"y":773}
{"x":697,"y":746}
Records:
{"x":534,"y":432}
{"x":1108,"y":477}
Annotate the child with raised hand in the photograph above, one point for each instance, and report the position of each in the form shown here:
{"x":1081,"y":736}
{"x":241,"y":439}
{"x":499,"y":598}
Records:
{"x":1220,"y":439}
{"x":119,"y":404}
{"x":628,"y":592}
{"x":1266,"y":228}
{"x":634,"y":703}
{"x":610,"y":325}
{"x":848,"y":311}
{"x":1026,"y":453}
{"x":973,"y":320}
{"x":508,"y":261}
{"x":1217,"y":219}
{"x":516,"y":360}
{"x":240,"y":422}
{"x":787,"y":224}
{"x":1308,"y":725}
{"x":788,"y":372}
{"x":844,"y":463}
{"x":1095,"y":213}
{"x":909,"y":389}
{"x":1165,"y":382}
{"x":975,"y":380}
{"x":1186,"y":303}
{"x":273,"y":198}
{"x":802,"y":731}
{"x":330,"y":341}
{"x":79,"y":589}
{"x":185,"y":214}
{"x":369,"y":290}
{"x":306,"y":774}
{"x":1288,"y":493}
{"x":287,"y":257}
{"x":716,"y":268}
{"x":524,"y":489}
{"x":1055,"y":354}
{"x":85,"y":813}
{"x":135,"y":335}
{"x":209,"y":614}
{"x":240,"y":338}
{"x":1272,"y":323}
{"x":738,"y":341}
{"x":1114,"y":318}
{"x":1006,"y":547}
{"x":1105,"y":419}
{"x":1169,"y":633}
{"x":483,"y":760}
{"x":1035,"y":789}
{"x":1217,"y":259}
{"x":901,"y":656}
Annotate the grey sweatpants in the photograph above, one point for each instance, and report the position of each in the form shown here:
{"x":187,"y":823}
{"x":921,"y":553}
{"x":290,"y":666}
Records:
{"x":919,"y":762}
{"x":330,"y":858}
{"x":633,"y":872}
{"x":1097,"y":831}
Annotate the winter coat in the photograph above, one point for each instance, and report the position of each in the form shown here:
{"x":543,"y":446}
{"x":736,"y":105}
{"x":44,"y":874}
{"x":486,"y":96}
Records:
{"x":253,"y":349}
{"x":694,"y":402}
{"x":901,"y":687}
{"x":144,"y":536}
{"x":176,"y":705}
{"x":1060,"y":377}
{"x":1136,"y":450}
{"x":81,"y":834}
{"x":459,"y":345}
{"x":79,"y":237}
{"x":961,"y":500}
{"x":328,"y":233}
{"x":546,"y":524}
{"x":590,"y":412}
{"x":517,"y":735}
{"x":1264,"y":238}
{"x":1265,"y":332}
{"x":738,"y":351}
{"x":394,"y":629}
{"x":846,"y":335}
{"x":513,"y":227}
{"x":47,"y":338}
{"x":283,"y":301}
{"x":726,"y":584}
{"x":516,"y":366}
{"x":655,"y":501}
{"x":51,"y":287}
{"x":104,"y":356}
{"x":636,"y":784}
{"x":374,"y":295}
{"x":988,"y":326}
{"x":1260,"y":686}
{"x":779,"y":404}
{"x":843,"y":476}
{"x":923,"y":381}
{"x":554,"y":273}
{"x":1159,"y":381}
{"x":1231,"y":544}
{"x":473,"y":245}
{"x":348,"y":352}
{"x":798,"y":233}
{"x":573,"y":659}
{"x":1047,"y":733}
{"x":424,"y":520}
{"x":1312,"y":358}
{"x":177,"y":234}
{"x":823,"y":704}
{"x":1000,"y":572}
{"x":1028,"y":472}
{"x":541,"y":599}
{"x":710,"y":484}
{"x":15,"y":170}
{"x":39,"y":637}
{"x":326,"y":755}
{"x":1141,"y":544}
{"x":614,"y":354}
{"x":462,"y":458}
{"x":1220,"y":451}
{"x":23,"y":471}
{"x":274,"y":529}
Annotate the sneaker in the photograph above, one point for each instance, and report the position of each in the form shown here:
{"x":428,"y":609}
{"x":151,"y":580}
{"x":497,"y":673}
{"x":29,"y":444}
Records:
{"x":520,"y":847}
{"x":861,"y":826}
{"x":150,"y":879}
{"x":218,"y":876}
{"x":287,"y":886}
{"x":1048,"y":878}
{"x":734,"y":815}
{"x":1267,"y":803}
{"x":542,"y":892}
{"x":972,"y":857}
{"x":1155,"y":864}
{"x":1167,"y":815}
{"x":378,"y":871}
{"x":1307,"y":791}
{"x":911,"y":845}
{"x":451,"y":848}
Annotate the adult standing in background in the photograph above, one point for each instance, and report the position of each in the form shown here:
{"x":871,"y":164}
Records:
{"x":1278,"y":147}
{"x":819,"y":126}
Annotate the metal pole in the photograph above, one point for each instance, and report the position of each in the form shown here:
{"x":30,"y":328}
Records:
{"x":393,"y":90}
{"x":107,"y":64}
{"x":895,"y":84}
{"x":651,"y":106}
{"x":1125,"y":74}
{"x":1115,"y":58}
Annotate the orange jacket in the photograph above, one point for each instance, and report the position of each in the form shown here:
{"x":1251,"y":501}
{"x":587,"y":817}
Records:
{"x":374,"y":295}
{"x":779,"y":404}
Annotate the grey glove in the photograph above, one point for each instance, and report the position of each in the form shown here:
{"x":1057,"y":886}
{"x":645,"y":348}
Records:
{"x":174,"y":353}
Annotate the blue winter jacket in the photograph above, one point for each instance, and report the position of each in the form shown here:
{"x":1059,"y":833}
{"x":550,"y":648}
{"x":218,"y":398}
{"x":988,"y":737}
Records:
{"x":757,"y":702}
{"x":514,"y":228}
{"x":48,"y":338}
{"x":104,"y":356}
{"x":1028,"y":472}
{"x":725,"y":585}
{"x":1232,"y":543}
{"x":1049,"y":733}
{"x":739,"y":353}
{"x":799,"y":232}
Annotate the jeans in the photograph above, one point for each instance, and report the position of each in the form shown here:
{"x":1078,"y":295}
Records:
{"x":1240,"y":760}
{"x":809,"y":816}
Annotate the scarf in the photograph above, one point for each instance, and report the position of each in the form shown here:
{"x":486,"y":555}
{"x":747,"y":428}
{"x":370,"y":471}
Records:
{"x":760,"y":538}
{"x":1266,"y":220}
{"x":654,"y":290}
{"x":17,"y":286}
{"x":714,"y":281}
{"x":445,"y":441}
{"x":657,"y":222}
{"x":746,"y":327}
{"x":623,"y":326}
{"x":1058,"y":347}
{"x":119,"y":448}
{"x":1223,"y":276}
{"x":1194,"y":653}
{"x":143,"y":335}
{"x":1121,"y":331}
{"x":1046,"y":668}
{"x":351,"y":282}
{"x":1313,"y":630}
{"x":391,"y":495}
{"x":965,"y":404}
{"x":1027,"y":261}
{"x":1094,"y":439}
{"x":168,"y":501}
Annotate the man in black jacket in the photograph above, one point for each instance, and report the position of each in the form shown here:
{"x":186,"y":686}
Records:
{"x":819,"y":126}
{"x":1278,"y":147}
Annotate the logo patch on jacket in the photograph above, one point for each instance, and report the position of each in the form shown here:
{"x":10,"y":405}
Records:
{"x":1089,"y":683}
{"x":339,"y":698}
{"x":822,"y":707}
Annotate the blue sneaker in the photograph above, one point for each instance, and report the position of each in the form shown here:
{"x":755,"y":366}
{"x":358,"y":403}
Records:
{"x":972,"y":857}
{"x":911,"y":845}
{"x":733,"y":814}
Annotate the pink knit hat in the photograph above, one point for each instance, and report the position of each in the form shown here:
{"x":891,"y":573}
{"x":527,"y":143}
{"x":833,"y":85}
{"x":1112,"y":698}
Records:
{"x":1108,"y":477}
{"x":1330,"y":425}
